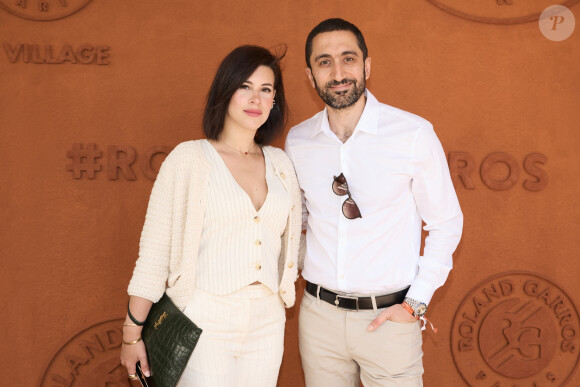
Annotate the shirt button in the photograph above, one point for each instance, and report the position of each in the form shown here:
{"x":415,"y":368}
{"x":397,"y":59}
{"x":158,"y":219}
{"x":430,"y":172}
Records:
{"x":258,"y":243}
{"x":257,"y":219}
{"x":282,"y":175}
{"x":258,"y":266}
{"x":291,"y":265}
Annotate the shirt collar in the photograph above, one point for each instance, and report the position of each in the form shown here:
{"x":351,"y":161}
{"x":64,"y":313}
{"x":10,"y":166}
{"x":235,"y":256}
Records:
{"x":368,"y":122}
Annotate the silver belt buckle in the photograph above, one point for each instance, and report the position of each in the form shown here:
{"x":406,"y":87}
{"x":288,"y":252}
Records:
{"x":337,"y":301}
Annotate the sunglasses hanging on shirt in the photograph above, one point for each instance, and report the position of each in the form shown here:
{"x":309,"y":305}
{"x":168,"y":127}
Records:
{"x":349,"y":208}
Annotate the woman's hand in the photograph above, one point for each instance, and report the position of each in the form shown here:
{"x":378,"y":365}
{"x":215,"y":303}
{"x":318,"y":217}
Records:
{"x":395,"y":313}
{"x":133,"y":353}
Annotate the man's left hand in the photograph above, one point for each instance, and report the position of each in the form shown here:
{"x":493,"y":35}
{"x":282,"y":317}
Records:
{"x":395,"y":313}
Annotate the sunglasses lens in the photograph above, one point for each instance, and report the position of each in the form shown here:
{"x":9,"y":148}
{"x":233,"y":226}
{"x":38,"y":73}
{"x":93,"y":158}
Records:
{"x":339,"y":185}
{"x":339,"y":188}
{"x":350,"y":209}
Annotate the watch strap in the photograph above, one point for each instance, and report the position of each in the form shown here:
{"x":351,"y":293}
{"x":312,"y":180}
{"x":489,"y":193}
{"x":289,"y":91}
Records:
{"x":409,"y":309}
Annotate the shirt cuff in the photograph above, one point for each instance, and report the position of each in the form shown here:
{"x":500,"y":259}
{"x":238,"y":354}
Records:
{"x":421,"y":291}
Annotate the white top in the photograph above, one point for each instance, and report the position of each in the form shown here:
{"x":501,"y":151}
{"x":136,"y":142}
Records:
{"x":169,"y":245}
{"x":239,"y":245}
{"x":398,"y":175}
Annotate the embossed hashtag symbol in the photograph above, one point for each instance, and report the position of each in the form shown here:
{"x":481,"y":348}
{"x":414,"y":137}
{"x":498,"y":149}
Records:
{"x":84,"y":159}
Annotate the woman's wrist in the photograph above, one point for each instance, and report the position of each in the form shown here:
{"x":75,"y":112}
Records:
{"x":132,"y":318}
{"x":132,"y":328}
{"x":130,"y":334}
{"x":131,"y":342}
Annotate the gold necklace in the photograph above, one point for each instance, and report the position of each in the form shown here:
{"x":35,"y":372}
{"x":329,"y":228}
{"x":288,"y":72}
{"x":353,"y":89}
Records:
{"x":243,"y":153}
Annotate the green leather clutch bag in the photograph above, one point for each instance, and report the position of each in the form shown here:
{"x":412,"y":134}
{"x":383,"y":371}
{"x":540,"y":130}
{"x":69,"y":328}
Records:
{"x":169,"y":337}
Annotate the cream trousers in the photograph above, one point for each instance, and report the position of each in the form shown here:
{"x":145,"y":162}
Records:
{"x":337,"y":350}
{"x":242,"y":340}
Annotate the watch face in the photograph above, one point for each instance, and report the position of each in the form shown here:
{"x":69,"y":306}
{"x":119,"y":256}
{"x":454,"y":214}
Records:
{"x":421,"y":309}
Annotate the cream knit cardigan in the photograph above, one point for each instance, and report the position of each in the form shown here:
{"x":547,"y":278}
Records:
{"x":173,"y":224}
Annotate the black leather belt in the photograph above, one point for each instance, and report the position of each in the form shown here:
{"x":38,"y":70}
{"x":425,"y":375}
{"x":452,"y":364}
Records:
{"x":342,"y":301}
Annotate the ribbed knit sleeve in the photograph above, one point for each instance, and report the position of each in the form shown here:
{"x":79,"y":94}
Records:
{"x":152,"y":268}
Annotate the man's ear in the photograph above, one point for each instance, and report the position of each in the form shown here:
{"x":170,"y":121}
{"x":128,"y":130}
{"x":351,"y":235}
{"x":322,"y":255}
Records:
{"x":368,"y":67}
{"x":310,"y":77}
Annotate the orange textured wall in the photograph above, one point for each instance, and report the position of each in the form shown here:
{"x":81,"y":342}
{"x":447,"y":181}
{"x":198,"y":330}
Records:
{"x":503,"y":99}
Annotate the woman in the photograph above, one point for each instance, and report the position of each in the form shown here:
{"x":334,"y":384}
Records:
{"x":222,"y":231}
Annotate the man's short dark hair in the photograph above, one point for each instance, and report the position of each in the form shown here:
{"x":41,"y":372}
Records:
{"x":235,"y":69}
{"x":335,"y":24}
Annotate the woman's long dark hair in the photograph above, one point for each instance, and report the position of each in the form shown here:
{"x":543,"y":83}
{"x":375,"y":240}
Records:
{"x":234,"y":70}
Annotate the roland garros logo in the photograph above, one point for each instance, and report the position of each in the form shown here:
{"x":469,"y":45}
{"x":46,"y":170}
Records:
{"x":42,"y":10}
{"x":516,"y":329}
{"x":91,"y":358}
{"x":499,"y":11}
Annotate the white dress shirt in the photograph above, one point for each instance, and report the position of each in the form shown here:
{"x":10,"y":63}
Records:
{"x":397,"y":174}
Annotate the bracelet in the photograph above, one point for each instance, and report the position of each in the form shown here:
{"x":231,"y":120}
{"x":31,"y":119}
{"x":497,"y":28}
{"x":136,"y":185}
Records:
{"x":132,"y":342}
{"x":408,"y":308}
{"x":130,"y":325}
{"x":137,"y":322}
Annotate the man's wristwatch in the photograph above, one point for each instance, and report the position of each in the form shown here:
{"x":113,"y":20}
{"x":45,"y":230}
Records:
{"x":416,"y":308}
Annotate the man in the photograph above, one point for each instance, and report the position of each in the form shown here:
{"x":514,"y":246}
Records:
{"x":370,"y":174}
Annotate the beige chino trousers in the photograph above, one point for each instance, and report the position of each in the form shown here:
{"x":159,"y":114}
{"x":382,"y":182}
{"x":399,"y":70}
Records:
{"x":337,"y":350}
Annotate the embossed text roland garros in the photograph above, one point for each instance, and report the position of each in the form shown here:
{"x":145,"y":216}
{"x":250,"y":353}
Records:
{"x":89,"y":358}
{"x":516,"y":329}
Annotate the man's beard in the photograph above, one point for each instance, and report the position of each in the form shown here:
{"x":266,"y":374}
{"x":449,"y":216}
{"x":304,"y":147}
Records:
{"x":344,"y":98}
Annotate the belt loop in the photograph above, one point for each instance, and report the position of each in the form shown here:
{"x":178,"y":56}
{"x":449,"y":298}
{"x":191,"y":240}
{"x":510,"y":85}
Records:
{"x":374,"y":301}
{"x":318,"y":295}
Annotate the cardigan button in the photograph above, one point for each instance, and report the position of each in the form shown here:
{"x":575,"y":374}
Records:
{"x":282,"y":175}
{"x":290,"y":265}
{"x":257,"y":219}
{"x":258,"y":267}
